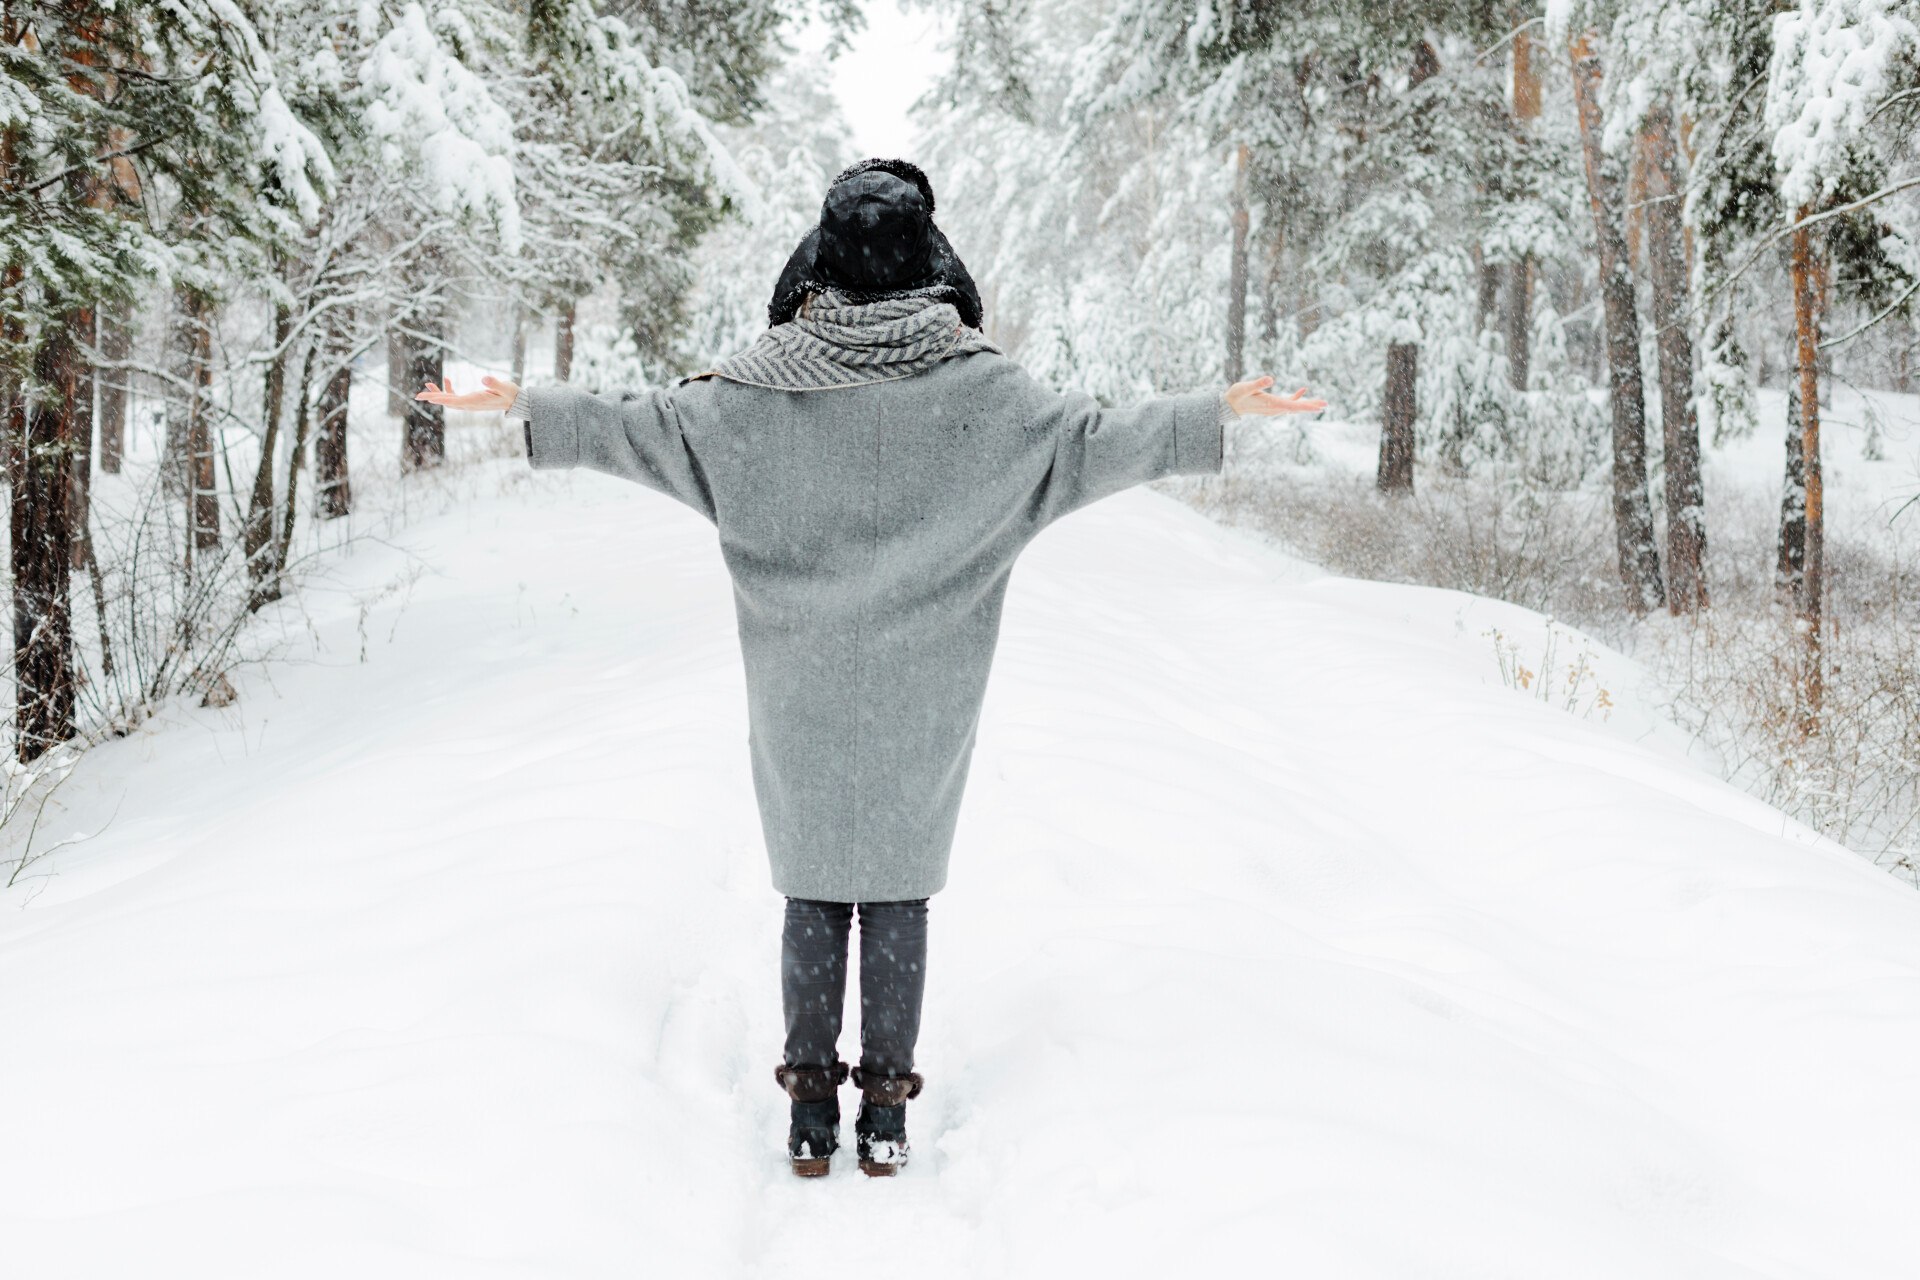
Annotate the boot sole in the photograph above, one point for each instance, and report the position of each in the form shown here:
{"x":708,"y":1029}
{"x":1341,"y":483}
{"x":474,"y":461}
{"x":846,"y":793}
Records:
{"x":809,"y":1168}
{"x":874,"y":1169}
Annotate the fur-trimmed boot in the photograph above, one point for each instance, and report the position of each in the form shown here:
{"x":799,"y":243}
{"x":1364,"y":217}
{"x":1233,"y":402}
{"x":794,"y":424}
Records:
{"x":815,"y":1132}
{"x":880,"y":1126}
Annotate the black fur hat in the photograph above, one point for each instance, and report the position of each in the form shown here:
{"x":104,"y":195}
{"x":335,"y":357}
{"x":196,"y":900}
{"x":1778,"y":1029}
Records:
{"x":875,"y":240}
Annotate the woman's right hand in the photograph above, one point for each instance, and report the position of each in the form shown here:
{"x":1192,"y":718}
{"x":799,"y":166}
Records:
{"x":498,"y":397}
{"x":1253,"y":397}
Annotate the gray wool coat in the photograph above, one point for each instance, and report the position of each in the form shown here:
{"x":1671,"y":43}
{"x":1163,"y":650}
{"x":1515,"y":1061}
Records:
{"x":870,"y":532}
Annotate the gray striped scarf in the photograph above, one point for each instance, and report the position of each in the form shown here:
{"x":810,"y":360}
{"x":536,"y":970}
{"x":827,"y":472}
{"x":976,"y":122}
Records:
{"x":836,"y":343}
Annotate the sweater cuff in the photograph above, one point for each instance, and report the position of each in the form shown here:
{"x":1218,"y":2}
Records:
{"x":1199,"y":434}
{"x":553,"y":428}
{"x":521,"y":408}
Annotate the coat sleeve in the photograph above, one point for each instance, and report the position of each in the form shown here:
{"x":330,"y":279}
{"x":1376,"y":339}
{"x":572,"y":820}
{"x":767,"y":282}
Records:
{"x":1099,"y":451}
{"x":635,"y":435}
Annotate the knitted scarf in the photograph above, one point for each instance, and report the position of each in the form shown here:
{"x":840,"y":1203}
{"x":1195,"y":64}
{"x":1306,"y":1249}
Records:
{"x":835,"y":342}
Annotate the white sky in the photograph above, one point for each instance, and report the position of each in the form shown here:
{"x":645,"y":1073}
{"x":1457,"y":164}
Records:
{"x":891,"y":63}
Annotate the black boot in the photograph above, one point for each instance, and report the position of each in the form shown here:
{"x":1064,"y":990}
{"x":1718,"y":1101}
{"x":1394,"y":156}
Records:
{"x":815,"y":1132}
{"x":880,"y":1126}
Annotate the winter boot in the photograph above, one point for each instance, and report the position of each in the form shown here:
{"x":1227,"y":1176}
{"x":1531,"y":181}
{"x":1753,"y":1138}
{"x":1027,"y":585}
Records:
{"x":880,"y":1126}
{"x":815,"y":1132}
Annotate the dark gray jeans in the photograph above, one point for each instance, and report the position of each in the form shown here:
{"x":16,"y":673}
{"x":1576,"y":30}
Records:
{"x":893,"y":976}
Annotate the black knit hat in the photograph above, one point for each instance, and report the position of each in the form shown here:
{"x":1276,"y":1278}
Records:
{"x":876,"y":240}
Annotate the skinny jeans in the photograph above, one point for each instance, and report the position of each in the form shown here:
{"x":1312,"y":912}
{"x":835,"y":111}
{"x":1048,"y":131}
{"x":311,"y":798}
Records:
{"x":893,"y":975}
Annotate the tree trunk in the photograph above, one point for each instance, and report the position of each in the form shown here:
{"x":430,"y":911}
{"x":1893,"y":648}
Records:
{"x":1516,"y":319}
{"x":1680,"y":431}
{"x":302,"y":425}
{"x":116,"y":343}
{"x":257,"y":537}
{"x":399,"y":394}
{"x":563,"y":345}
{"x":1793,"y":508}
{"x":179,"y":388}
{"x":1517,"y":307}
{"x":1396,"y":419}
{"x":1526,"y":78}
{"x":334,"y":495}
{"x":1808,"y":303}
{"x":1237,"y":272}
{"x":13,"y":398}
{"x":1639,"y":557}
{"x":13,"y":333}
{"x":1487,"y":298}
{"x":14,"y":394}
{"x":425,"y":440}
{"x":85,"y":407}
{"x":42,"y":532}
{"x":202,"y":492}
{"x":519,"y":372}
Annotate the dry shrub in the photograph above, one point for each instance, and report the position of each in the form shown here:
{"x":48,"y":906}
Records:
{"x":1724,"y":675}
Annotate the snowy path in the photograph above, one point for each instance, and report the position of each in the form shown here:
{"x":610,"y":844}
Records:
{"x":1282,"y":939}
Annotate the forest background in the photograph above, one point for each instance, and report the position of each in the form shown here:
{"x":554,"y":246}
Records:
{"x":1615,"y":302}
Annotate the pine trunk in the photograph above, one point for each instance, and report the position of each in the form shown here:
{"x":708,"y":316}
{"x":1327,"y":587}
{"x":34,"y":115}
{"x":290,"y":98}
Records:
{"x":1793,"y":508}
{"x":197,"y":446}
{"x":13,"y":333}
{"x":563,"y":345}
{"x":1808,"y":286}
{"x":179,"y":388}
{"x":257,"y":537}
{"x":116,"y":343}
{"x":399,"y":394}
{"x":296,"y":460}
{"x":1526,"y":78}
{"x":1680,"y":430}
{"x":85,"y":409}
{"x":1487,"y":297}
{"x":519,"y":372}
{"x":1638,"y":554}
{"x":424,"y":442}
{"x":13,"y":396}
{"x":1517,"y":310}
{"x":334,"y":496}
{"x":1396,"y":419}
{"x":42,"y":532}
{"x":1237,"y":272}
{"x":1516,"y":319}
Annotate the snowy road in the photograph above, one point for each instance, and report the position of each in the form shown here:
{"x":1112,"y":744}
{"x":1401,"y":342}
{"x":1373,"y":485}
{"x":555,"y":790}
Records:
{"x":1282,"y":939}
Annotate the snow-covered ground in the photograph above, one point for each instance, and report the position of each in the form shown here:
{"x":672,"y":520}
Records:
{"x":1283,"y":938}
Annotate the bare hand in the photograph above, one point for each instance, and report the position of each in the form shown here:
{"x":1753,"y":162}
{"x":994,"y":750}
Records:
{"x":498,"y":397}
{"x":1252,"y":396}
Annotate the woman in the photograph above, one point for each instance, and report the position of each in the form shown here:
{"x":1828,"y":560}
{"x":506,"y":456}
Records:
{"x":873,"y":466}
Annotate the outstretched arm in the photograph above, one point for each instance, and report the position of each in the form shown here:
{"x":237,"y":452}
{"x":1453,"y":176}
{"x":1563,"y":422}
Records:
{"x":1100,"y":451}
{"x":633,"y":435}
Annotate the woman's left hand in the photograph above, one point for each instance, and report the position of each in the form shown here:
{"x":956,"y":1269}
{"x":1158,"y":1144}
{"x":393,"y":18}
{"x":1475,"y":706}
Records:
{"x":498,"y":396}
{"x":1252,"y":396}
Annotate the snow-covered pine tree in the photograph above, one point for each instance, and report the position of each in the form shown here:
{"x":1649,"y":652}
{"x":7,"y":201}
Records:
{"x":173,"y":112}
{"x":1841,"y":117}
